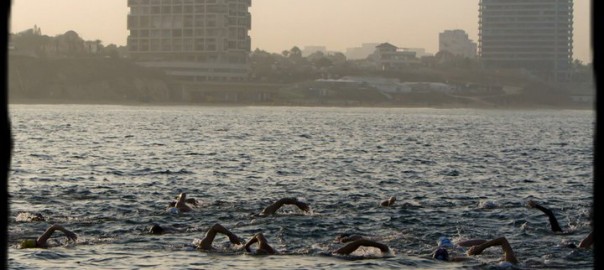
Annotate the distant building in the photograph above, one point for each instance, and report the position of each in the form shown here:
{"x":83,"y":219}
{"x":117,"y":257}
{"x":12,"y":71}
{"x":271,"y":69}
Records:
{"x":457,"y":43}
{"x":390,"y":57}
{"x":419,"y":52}
{"x":536,"y":35}
{"x":361,"y":52}
{"x":92,"y":47}
{"x":192,"y":40}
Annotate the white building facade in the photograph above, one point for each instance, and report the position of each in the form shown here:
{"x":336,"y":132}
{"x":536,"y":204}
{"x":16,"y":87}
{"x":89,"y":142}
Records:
{"x":457,"y":42}
{"x":192,"y":40}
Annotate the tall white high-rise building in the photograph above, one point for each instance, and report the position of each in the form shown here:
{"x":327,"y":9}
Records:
{"x":192,"y":40}
{"x":533,"y":34}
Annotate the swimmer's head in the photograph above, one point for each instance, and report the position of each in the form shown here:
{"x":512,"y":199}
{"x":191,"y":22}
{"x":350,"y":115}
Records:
{"x":441,"y":254}
{"x":570,"y":245}
{"x":28,"y":243}
{"x":156,"y":229}
{"x":487,"y":205}
{"x":38,"y":217}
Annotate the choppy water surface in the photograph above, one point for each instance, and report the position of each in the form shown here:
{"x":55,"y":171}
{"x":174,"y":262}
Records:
{"x":108,"y":172}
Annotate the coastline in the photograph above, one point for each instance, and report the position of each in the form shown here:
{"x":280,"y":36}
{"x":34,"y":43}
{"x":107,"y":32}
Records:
{"x":295,"y":104}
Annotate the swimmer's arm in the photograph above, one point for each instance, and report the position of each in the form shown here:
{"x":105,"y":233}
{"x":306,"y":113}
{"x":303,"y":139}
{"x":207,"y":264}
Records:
{"x":351,"y":238}
{"x":354,"y":245}
{"x":471,"y":242}
{"x":588,"y":241}
{"x":264,"y":247}
{"x":388,"y":202}
{"x":181,"y":204}
{"x":271,"y":209}
{"x":41,"y":241}
{"x":501,"y":241}
{"x":552,"y":218}
{"x":249,"y":243}
{"x":206,"y":242}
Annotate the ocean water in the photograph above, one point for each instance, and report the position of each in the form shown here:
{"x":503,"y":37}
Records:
{"x":109,"y":172}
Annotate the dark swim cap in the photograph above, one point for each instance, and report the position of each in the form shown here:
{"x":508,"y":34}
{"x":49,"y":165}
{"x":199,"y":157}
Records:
{"x":28,"y":243}
{"x":156,"y":229}
{"x":441,"y":254}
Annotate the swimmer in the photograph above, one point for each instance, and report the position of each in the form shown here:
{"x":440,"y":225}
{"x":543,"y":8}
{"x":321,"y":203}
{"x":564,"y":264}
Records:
{"x":588,"y":241}
{"x":156,"y":229}
{"x":41,"y":242}
{"x":263,"y":247}
{"x":388,"y":202}
{"x":508,"y":253}
{"x":346,"y":237}
{"x":29,"y":217}
{"x":476,"y":247}
{"x":206,"y":242}
{"x":555,"y":227}
{"x":354,"y":243}
{"x":357,"y":242}
{"x":271,"y":209}
{"x":191,"y":201}
{"x":181,"y":203}
{"x":453,"y":252}
{"x":553,"y":222}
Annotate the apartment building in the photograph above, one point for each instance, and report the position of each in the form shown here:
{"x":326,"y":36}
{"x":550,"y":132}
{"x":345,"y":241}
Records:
{"x":192,"y":40}
{"x":389,"y":57}
{"x":536,"y":35}
{"x":457,"y":42}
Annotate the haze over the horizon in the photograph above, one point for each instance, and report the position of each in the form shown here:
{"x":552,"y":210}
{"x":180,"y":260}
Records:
{"x":278,"y":25}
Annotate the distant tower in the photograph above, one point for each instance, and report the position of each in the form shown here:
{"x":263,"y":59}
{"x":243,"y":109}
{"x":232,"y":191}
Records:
{"x":457,"y":43}
{"x":533,"y":34}
{"x":192,"y":40}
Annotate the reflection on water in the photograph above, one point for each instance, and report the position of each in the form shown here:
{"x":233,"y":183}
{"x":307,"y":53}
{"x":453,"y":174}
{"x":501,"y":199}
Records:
{"x":109,"y":172}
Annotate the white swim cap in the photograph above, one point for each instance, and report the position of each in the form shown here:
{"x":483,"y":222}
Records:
{"x":173,"y":210}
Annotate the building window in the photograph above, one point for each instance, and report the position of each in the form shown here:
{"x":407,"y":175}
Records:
{"x":176,"y":33}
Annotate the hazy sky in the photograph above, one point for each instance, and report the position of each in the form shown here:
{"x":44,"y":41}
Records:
{"x":278,"y":25}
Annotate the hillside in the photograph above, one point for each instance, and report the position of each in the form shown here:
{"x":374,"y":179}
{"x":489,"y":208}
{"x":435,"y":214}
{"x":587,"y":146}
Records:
{"x":86,"y":80}
{"x":119,"y":81}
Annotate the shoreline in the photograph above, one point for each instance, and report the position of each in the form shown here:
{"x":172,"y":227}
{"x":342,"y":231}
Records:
{"x":296,"y":104}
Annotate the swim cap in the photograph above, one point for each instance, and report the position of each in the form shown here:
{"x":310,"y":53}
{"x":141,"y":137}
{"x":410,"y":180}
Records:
{"x":487,"y":204}
{"x":173,"y":210}
{"x":156,"y":229}
{"x":441,"y":254}
{"x":505,"y":264}
{"x":444,"y":242}
{"x":29,"y":243}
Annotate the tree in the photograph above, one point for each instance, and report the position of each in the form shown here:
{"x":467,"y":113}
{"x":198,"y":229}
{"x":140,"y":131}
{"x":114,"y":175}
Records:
{"x":295,"y":53}
{"x":322,"y":62}
{"x":111,"y":51}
